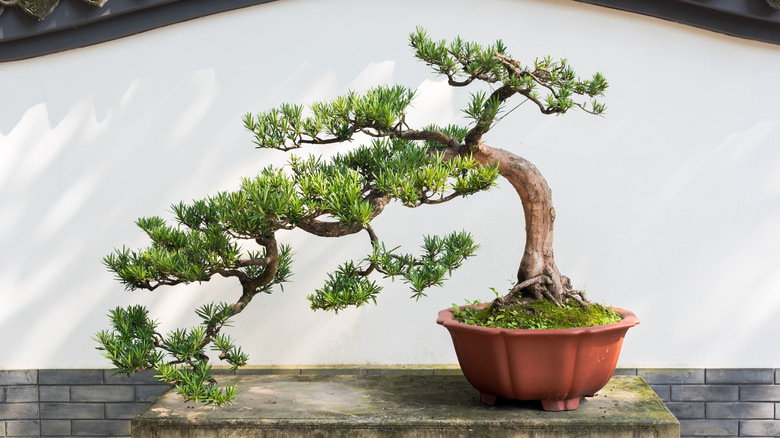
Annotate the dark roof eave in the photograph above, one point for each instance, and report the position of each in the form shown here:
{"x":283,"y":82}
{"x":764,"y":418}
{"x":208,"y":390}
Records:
{"x":76,"y":24}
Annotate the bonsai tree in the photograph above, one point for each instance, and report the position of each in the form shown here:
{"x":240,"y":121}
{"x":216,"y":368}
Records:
{"x":234,"y":234}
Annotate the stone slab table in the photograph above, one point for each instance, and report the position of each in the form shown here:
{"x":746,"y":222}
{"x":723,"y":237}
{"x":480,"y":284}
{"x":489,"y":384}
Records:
{"x":402,"y":406}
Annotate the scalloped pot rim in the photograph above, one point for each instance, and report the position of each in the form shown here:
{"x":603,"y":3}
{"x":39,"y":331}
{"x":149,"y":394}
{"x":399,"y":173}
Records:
{"x":446,"y":318}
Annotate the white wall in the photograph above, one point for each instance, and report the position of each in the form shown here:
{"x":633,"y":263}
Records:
{"x":667,"y":206}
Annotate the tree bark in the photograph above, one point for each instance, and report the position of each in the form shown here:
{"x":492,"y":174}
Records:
{"x":538,"y":259}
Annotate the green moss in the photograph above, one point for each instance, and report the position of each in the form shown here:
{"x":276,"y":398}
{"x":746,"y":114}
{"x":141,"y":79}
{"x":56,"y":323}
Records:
{"x":539,"y":314}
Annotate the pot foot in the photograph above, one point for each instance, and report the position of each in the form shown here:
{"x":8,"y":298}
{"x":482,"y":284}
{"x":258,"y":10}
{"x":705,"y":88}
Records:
{"x":561,"y":405}
{"x":488,"y":399}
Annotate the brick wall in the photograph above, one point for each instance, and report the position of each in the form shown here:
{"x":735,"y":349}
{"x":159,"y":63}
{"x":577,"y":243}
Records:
{"x":72,"y":402}
{"x":708,"y":402}
{"x":719,"y":402}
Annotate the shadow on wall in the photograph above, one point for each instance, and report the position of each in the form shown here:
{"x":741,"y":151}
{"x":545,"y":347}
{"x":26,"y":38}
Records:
{"x":94,"y":138}
{"x":82,"y":155}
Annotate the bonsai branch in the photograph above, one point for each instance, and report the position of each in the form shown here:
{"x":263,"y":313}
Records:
{"x":339,"y":229}
{"x":443,"y":199}
{"x":490,"y":109}
{"x":374,"y":246}
{"x":428,"y":135}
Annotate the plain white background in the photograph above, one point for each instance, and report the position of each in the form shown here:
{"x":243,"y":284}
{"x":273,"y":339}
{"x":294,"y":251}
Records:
{"x":667,"y":206}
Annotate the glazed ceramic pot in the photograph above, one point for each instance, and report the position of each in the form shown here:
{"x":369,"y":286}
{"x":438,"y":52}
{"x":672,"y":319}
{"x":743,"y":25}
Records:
{"x":555,"y":366}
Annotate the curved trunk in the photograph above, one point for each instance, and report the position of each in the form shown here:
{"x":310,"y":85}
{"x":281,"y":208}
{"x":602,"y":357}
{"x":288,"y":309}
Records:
{"x":538,"y":276}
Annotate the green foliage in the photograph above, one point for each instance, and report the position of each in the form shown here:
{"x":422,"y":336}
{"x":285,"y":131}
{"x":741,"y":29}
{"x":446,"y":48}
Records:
{"x":395,"y":169}
{"x":263,"y":205}
{"x":132,"y":345}
{"x":441,"y":256}
{"x":482,"y":107}
{"x":539,"y":314}
{"x":179,"y":358}
{"x":415,"y":176}
{"x":458,"y":58}
{"x":463,"y":62}
{"x":205,"y":241}
{"x":378,"y":112}
{"x":197,"y":384}
{"x":348,"y":286}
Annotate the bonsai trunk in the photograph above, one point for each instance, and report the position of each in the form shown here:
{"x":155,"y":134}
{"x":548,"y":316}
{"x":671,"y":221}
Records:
{"x":538,"y":276}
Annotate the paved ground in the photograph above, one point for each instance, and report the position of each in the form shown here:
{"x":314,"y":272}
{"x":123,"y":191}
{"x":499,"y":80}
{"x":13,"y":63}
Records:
{"x":288,"y":405}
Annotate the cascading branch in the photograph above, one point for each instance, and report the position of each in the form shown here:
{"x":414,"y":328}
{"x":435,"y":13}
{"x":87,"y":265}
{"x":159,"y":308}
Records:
{"x":234,"y":234}
{"x":327,"y":198}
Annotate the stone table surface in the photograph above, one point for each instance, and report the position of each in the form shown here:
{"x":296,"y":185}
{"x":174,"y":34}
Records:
{"x":419,"y":406}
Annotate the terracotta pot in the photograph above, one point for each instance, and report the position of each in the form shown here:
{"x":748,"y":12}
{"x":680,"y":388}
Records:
{"x":556,"y":366}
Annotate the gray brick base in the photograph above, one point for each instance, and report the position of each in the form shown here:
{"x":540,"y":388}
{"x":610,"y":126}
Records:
{"x":72,"y":402}
{"x":741,"y":402}
{"x":708,"y":402}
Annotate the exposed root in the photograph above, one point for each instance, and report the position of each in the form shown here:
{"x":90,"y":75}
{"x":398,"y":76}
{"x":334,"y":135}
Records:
{"x":535,"y":280}
{"x":578,"y":296}
{"x":549,"y":295}
{"x":534,"y":286}
{"x":550,"y":286}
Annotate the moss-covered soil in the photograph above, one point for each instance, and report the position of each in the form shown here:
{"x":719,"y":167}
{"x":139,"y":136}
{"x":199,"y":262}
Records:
{"x":539,"y":314}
